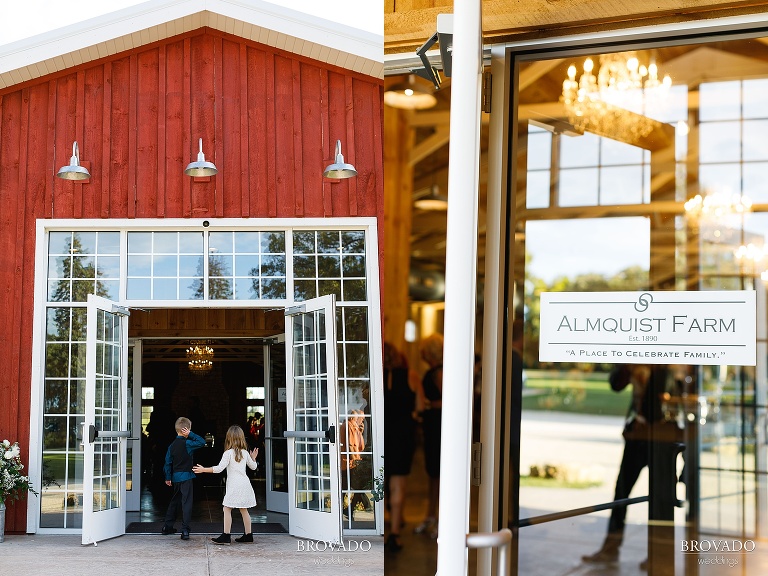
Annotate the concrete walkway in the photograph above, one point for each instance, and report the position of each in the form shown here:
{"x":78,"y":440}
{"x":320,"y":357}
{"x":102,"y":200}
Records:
{"x":37,"y":555}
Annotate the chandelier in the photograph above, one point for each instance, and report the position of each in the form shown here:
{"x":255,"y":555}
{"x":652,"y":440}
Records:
{"x":752,"y":256}
{"x":615,"y":99}
{"x":717,"y":206}
{"x":199,"y":356}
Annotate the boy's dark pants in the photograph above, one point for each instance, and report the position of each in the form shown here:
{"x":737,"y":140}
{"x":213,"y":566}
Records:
{"x":182,"y":496}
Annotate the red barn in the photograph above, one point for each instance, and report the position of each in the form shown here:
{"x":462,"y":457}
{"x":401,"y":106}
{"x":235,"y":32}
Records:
{"x":141,"y":292}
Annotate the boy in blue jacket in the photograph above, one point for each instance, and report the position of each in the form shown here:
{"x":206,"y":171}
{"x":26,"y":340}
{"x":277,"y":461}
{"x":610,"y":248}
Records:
{"x":178,"y":473}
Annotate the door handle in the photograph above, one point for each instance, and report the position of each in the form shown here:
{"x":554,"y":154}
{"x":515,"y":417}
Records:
{"x":93,"y":433}
{"x":329,"y":434}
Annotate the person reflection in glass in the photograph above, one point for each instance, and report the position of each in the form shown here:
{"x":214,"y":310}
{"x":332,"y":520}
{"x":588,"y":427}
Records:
{"x":646,"y":421}
{"x":432,"y":392}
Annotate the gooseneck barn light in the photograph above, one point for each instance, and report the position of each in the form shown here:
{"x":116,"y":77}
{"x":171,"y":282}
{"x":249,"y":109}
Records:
{"x":201,"y":167}
{"x":339,"y":169}
{"x":73,"y":171}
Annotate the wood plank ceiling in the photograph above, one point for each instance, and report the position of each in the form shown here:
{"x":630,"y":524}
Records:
{"x":409,"y":23}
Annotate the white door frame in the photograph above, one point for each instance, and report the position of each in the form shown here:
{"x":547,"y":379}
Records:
{"x":367,"y":224}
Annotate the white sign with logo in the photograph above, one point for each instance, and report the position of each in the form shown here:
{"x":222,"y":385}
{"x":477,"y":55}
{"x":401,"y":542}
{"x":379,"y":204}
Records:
{"x":714,"y":328}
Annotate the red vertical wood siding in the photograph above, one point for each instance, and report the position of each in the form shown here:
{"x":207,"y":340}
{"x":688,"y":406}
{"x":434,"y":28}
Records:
{"x":269,"y":120}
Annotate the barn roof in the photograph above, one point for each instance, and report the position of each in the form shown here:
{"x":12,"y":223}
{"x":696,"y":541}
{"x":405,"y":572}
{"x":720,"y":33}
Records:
{"x":257,"y":20}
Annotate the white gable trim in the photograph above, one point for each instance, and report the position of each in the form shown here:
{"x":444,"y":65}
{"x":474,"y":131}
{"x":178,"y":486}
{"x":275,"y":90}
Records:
{"x":323,"y":40}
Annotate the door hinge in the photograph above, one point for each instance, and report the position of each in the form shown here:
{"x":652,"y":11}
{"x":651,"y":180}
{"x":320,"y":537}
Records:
{"x":477,"y":460}
{"x":486,"y":97}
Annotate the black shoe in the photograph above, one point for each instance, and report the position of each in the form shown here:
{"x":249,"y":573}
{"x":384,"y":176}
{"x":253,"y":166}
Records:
{"x":245,"y":538}
{"x":393,"y":543}
{"x":168,"y":530}
{"x":184,"y":535}
{"x":222,"y":539}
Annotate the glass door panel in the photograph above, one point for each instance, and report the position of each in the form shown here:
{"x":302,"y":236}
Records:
{"x":133,"y":472}
{"x":641,"y":188}
{"x":105,"y":430}
{"x":313,"y":455}
{"x":276,"y":423}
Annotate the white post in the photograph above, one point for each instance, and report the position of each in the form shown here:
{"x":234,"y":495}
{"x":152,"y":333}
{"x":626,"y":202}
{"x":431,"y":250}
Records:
{"x":460,"y":293}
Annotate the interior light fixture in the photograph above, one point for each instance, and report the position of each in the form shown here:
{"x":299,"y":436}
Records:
{"x":432,"y":200}
{"x":410,"y":95}
{"x":73,"y":171}
{"x":339,"y":169}
{"x":616,"y":95}
{"x":201,"y":168}
{"x":199,"y":356}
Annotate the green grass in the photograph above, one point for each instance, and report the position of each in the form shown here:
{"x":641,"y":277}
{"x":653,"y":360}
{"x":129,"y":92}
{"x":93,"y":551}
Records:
{"x":584,"y":393}
{"x":530,"y":481}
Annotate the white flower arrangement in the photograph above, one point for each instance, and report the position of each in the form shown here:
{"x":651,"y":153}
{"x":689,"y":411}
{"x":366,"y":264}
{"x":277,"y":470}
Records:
{"x":13,"y":483}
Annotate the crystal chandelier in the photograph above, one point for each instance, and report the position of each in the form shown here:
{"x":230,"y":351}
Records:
{"x":199,"y":356}
{"x":717,"y":205}
{"x":616,"y":99}
{"x":751,"y":257}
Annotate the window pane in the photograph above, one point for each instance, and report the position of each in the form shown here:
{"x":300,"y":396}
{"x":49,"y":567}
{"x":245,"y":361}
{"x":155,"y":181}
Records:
{"x":621,"y":185}
{"x":304,"y":242}
{"x":579,"y":151}
{"x":615,"y":152}
{"x":247,"y":242}
{"x":140,"y":242}
{"x":139,"y":289}
{"x":164,"y":289}
{"x":220,"y":242}
{"x":579,"y":187}
{"x":720,"y":142}
{"x":190,"y":242}
{"x":166,"y":243}
{"x":59,"y":242}
{"x":537,"y":190}
{"x":220,"y":288}
{"x":754,"y":141}
{"x":247,"y":265}
{"x":719,"y":101}
{"x":109,"y":243}
{"x":353,"y":242}
{"x":246,"y":289}
{"x":273,"y":242}
{"x":539,"y":149}
{"x":139,"y":265}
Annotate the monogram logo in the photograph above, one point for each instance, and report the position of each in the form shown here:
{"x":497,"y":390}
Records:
{"x":643,"y":302}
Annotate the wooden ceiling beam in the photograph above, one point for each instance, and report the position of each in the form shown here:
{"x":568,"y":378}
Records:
{"x":430,"y":145}
{"x":407,"y":25}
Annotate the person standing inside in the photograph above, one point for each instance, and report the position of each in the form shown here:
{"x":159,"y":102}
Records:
{"x":645,"y":424}
{"x":432,"y":392}
{"x":238,"y":492}
{"x":400,"y":402}
{"x":178,"y":473}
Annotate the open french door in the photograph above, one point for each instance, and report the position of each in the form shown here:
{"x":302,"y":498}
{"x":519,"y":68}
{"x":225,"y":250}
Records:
{"x":314,"y":496}
{"x":105,"y":433}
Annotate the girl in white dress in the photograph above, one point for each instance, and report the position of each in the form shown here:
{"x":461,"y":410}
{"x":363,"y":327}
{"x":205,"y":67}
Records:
{"x":239,"y":492}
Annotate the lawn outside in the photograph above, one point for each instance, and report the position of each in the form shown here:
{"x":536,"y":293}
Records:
{"x":574,"y":391}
